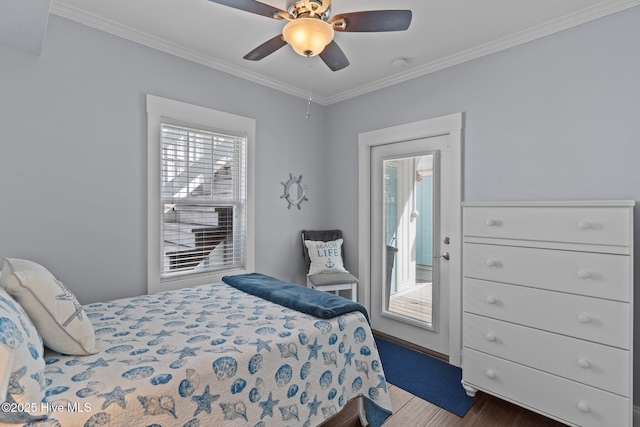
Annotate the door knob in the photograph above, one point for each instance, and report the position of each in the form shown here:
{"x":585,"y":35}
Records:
{"x":446,"y":256}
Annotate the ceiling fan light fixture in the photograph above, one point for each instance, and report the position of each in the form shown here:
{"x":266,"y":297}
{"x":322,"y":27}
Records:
{"x":308,"y":36}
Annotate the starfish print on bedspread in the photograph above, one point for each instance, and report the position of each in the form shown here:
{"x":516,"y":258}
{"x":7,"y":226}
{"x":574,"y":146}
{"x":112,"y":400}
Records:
{"x":204,"y":315}
{"x":230,"y":326}
{"x":267,"y":406}
{"x":348,"y":356}
{"x":313,"y":349}
{"x":313,"y":406}
{"x":187,"y":351}
{"x":100,"y":363}
{"x":116,"y":396}
{"x":260,"y":344}
{"x":162,"y":333}
{"x":204,"y":401}
{"x":182,"y":306}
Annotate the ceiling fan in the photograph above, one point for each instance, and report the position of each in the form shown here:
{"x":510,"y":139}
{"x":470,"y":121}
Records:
{"x":310,"y":29}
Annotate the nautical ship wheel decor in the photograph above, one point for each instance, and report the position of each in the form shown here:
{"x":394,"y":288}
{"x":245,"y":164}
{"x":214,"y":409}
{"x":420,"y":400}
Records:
{"x":294,"y":191}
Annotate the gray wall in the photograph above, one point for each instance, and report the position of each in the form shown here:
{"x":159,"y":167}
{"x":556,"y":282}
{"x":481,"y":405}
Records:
{"x":73,"y":157}
{"x":554,"y":119}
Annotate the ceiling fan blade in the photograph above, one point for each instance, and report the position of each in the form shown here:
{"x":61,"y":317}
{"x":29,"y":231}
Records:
{"x":372,"y":21}
{"x":266,"y":48}
{"x":256,"y":7}
{"x":334,"y":57}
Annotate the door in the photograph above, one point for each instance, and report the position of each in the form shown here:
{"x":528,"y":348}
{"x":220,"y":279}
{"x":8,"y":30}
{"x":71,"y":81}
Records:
{"x":409,"y":229}
{"x":440,"y":137}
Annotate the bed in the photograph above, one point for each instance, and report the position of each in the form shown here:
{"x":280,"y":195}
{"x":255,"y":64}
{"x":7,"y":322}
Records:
{"x":213,"y":355}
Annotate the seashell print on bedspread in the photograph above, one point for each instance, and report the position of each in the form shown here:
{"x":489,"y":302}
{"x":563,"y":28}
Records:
{"x":213,"y":356}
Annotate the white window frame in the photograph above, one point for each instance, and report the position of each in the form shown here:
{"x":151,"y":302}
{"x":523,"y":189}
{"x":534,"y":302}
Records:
{"x":163,"y":110}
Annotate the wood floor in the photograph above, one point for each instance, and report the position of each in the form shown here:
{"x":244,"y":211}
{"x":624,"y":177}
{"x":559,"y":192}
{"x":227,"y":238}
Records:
{"x":412,"y":411}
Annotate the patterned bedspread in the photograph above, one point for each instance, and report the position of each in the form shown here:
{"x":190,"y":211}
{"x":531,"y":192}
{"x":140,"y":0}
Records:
{"x":214,"y":356}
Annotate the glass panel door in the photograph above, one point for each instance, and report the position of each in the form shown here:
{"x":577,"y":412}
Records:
{"x":409,"y":275}
{"x":408,"y":205}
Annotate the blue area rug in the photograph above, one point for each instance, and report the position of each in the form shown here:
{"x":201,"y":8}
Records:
{"x":424,"y":376}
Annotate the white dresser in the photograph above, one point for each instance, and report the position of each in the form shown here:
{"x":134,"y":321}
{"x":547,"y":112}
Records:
{"x":548,"y":307}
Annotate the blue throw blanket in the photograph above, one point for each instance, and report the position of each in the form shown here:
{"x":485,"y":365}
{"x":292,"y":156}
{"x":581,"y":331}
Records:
{"x":300,"y":298}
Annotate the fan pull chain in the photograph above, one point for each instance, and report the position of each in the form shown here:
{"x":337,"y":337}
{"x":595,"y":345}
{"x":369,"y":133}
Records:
{"x":308,"y":116}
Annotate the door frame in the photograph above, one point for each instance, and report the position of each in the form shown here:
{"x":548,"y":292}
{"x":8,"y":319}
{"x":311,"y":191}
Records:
{"x":451,"y":125}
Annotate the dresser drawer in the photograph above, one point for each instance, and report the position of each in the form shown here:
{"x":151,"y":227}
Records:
{"x":585,"y":273}
{"x":598,"y":320}
{"x":566,"y":400}
{"x":594,"y":364}
{"x":584,"y":225}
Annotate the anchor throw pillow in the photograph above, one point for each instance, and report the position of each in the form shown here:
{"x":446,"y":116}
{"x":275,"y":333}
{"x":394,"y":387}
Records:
{"x":326,"y":257}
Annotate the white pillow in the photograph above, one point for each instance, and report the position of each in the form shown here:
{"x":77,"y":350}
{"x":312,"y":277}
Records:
{"x":21,"y":363}
{"x":326,"y":257}
{"x":53,"y":309}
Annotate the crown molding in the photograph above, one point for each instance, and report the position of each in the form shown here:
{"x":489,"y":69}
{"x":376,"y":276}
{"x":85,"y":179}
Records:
{"x":513,"y":40}
{"x":166,"y":46}
{"x":603,"y":9}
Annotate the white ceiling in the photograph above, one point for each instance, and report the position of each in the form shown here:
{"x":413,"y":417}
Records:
{"x":442,"y":33}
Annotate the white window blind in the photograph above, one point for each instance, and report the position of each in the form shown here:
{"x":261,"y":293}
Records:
{"x":203,"y":200}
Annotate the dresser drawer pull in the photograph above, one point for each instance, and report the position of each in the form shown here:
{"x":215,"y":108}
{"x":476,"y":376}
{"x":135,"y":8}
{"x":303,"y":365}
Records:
{"x":584,"y":318}
{"x":491,"y":300}
{"x":584,"y":274}
{"x":490,"y":337}
{"x":583,"y":407}
{"x":584,"y":225}
{"x":584,"y":363}
{"x":491,"y":374}
{"x":491,"y":262}
{"x":492,"y":222}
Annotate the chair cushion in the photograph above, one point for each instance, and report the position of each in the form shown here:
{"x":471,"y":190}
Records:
{"x":323,"y":279}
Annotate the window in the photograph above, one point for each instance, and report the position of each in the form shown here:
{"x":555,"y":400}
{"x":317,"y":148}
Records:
{"x":200,"y":206}
{"x":203,"y":198}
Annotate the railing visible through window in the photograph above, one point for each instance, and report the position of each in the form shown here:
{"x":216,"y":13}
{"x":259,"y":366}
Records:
{"x":203,"y":200}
